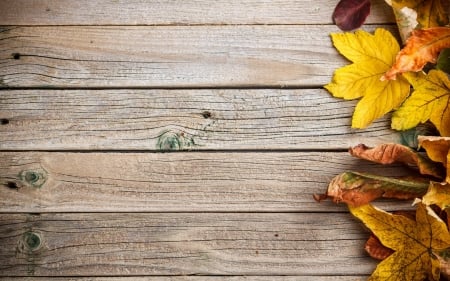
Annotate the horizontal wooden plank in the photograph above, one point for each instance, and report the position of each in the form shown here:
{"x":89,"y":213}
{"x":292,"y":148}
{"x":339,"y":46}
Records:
{"x":174,"y":182}
{"x":195,"y":278}
{"x":182,"y":244}
{"x":181,"y":120}
{"x":132,"y":12}
{"x":167,"y":56}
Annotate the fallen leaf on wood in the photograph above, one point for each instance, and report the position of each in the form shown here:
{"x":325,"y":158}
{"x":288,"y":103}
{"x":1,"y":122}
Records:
{"x":358,"y":189}
{"x":438,"y":194}
{"x":437,"y":148}
{"x":416,"y":243}
{"x":351,"y":14}
{"x":397,"y":153}
{"x":423,"y":46}
{"x":430,"y":100}
{"x":372,"y":55}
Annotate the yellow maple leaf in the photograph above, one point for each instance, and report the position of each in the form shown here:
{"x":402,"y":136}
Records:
{"x":429,"y":101}
{"x":416,"y":243}
{"x":372,"y":56}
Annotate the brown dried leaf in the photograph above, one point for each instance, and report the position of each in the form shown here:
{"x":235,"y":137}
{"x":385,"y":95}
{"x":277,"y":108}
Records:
{"x":437,"y":147}
{"x":423,"y":46}
{"x":357,"y":189}
{"x":377,"y":250}
{"x":397,"y":153}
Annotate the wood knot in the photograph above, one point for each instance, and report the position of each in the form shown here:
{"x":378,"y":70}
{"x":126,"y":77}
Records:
{"x":31,"y":241}
{"x":34,"y":178}
{"x":173,"y":141}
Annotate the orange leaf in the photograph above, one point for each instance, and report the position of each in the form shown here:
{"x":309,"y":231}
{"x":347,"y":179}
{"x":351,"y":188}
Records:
{"x":392,"y":153}
{"x":437,"y":148}
{"x":377,"y":250}
{"x":356,"y":189}
{"x":422,"y":47}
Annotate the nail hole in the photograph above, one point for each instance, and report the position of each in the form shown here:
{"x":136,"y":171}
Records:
{"x":16,"y":56}
{"x":4,"y":121}
{"x":276,"y":235}
{"x":206,"y":114}
{"x":12,"y":185}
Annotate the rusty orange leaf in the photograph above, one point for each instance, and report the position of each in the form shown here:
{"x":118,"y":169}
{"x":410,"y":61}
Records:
{"x":358,"y":189}
{"x":423,"y":46}
{"x":397,"y":153}
{"x":377,"y":250}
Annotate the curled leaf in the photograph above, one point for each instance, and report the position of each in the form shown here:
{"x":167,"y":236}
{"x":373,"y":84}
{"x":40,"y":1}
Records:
{"x":426,"y":13}
{"x":397,"y":153}
{"x":358,"y":189}
{"x":416,"y":242}
{"x":438,"y":194}
{"x":351,"y":14}
{"x":437,"y":148}
{"x":423,"y":46}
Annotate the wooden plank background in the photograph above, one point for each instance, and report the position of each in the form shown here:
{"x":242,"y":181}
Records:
{"x":93,"y":92}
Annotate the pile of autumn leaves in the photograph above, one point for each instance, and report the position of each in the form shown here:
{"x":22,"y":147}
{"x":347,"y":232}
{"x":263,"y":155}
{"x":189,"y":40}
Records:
{"x":414,"y":84}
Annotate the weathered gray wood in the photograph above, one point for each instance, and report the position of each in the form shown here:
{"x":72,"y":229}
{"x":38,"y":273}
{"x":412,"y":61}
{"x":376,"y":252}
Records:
{"x":195,"y":278}
{"x":168,"y":182}
{"x":131,"y":12}
{"x":182,"y":244}
{"x":167,"y":56}
{"x":181,"y":120}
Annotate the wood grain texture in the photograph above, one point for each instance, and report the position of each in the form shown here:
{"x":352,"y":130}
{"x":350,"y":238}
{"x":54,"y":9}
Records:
{"x":182,"y":120}
{"x":167,"y":56}
{"x":356,"y":277}
{"x":174,"y":182}
{"x":182,"y":244}
{"x":180,"y":12}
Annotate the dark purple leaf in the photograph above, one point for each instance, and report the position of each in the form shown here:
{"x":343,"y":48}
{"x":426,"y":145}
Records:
{"x":351,"y":14}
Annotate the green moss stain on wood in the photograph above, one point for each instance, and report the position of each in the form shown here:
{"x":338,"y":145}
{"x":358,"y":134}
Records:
{"x":34,"y":178}
{"x":30,"y":245}
{"x":173,"y":141}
